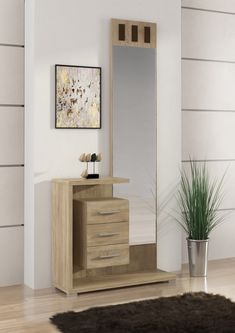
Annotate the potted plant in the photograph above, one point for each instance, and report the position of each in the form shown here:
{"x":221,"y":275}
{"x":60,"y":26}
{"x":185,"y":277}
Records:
{"x":199,"y":199}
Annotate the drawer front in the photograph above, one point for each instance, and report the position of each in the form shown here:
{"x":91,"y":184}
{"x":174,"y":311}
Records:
{"x":107,"y":234}
{"x":107,"y":211}
{"x":104,"y":256}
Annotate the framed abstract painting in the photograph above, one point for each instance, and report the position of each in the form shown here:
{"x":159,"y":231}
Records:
{"x":78,"y":96}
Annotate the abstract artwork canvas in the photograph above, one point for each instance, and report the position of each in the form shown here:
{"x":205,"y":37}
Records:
{"x":78,"y":97}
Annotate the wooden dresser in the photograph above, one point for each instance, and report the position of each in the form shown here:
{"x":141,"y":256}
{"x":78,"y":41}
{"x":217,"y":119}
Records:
{"x":90,"y":239}
{"x":101,"y":230}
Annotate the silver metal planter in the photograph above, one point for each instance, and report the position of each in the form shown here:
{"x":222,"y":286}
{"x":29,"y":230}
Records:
{"x":198,"y":257}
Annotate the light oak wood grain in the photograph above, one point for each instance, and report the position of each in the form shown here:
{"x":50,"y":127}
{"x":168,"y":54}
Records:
{"x":67,"y":255}
{"x":108,"y":255}
{"x":62,"y":256}
{"x":92,"y":229}
{"x":107,"y":234}
{"x":128,"y":40}
{"x":92,"y":191}
{"x":74,"y":261}
{"x":121,"y":280}
{"x":79,"y":237}
{"x":142,"y":259}
{"x":88,"y":182}
{"x":107,"y":211}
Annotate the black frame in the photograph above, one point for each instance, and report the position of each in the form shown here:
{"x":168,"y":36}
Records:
{"x":100,"y":72}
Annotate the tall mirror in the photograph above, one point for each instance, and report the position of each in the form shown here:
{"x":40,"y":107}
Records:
{"x":134,"y":110}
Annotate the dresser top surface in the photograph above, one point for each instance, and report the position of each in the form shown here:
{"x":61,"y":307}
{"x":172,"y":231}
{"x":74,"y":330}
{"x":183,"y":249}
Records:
{"x":97,"y":181}
{"x":104,"y":199}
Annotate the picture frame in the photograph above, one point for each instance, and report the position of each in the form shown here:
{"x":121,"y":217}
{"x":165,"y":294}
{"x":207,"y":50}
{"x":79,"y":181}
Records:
{"x":77,"y":97}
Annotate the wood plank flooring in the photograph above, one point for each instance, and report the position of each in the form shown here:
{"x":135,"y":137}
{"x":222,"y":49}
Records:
{"x":23,"y":310}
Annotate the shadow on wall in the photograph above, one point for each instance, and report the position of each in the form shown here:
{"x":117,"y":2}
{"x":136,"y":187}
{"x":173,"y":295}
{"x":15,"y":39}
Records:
{"x":103,"y":62}
{"x":43,"y":234}
{"x":52,"y":96}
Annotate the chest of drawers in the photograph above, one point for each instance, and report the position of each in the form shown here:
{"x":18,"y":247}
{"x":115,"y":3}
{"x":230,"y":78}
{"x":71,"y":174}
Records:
{"x":101,"y":230}
{"x":90,"y":239}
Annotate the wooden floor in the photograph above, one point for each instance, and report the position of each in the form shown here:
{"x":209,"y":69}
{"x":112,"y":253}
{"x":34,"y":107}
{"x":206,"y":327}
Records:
{"x":25,"y":311}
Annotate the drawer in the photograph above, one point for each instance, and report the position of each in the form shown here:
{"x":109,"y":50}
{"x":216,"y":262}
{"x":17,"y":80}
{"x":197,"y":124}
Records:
{"x":103,"y":211}
{"x":104,"y":256}
{"x":109,"y":233}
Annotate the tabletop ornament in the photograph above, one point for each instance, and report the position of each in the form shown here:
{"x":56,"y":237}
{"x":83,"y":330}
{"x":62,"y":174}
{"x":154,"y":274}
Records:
{"x":90,"y":158}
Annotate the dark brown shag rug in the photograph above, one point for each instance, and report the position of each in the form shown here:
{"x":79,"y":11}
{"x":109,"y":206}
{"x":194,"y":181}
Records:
{"x":188,"y":313}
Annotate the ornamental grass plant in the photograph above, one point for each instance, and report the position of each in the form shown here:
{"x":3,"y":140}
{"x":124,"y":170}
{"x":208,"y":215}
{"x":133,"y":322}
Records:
{"x":199,"y":199}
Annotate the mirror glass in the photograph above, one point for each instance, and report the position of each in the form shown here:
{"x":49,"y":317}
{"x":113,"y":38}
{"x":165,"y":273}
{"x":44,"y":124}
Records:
{"x":134,"y":136}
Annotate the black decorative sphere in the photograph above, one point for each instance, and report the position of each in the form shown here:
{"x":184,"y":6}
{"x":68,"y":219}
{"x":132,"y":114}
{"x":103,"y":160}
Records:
{"x":93,"y":157}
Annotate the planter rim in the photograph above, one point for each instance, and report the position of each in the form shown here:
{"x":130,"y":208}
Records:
{"x":197,"y":240}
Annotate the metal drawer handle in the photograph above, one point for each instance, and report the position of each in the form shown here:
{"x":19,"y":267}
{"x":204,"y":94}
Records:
{"x":109,"y":212}
{"x":108,"y":234}
{"x":109,"y":256}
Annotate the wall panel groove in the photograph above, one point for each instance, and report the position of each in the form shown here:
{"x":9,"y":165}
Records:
{"x":207,"y":160}
{"x":208,"y":60}
{"x":12,"y":105}
{"x":208,"y":10}
{"x":206,"y":110}
{"x":11,"y":226}
{"x":12,"y":45}
{"x":11,"y":165}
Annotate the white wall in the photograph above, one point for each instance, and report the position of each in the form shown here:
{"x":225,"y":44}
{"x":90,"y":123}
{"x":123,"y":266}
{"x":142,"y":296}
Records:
{"x":78,"y":32}
{"x":11,"y":141}
{"x":208,"y":103}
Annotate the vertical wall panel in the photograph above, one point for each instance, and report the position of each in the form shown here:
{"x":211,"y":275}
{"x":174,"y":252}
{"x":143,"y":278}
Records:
{"x":202,"y":36}
{"x":11,"y":75}
{"x":11,"y":256}
{"x":12,"y":22}
{"x":208,"y":135}
{"x":209,"y":86}
{"x":11,"y":196}
{"x":11,"y":135}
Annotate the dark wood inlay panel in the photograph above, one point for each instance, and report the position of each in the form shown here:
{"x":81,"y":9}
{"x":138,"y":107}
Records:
{"x":134,"y":33}
{"x":122,"y":32}
{"x":147,"y":34}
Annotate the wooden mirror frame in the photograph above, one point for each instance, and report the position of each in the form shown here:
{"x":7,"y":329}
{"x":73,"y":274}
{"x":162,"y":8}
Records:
{"x":146,"y":37}
{"x":141,"y":35}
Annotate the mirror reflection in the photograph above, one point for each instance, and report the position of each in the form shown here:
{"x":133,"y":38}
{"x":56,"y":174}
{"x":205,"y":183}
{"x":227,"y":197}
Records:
{"x":134,"y":136}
